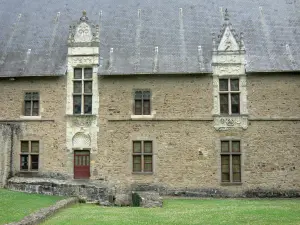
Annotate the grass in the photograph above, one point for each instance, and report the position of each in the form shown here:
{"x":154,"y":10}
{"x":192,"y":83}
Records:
{"x":16,"y":205}
{"x":186,"y":211}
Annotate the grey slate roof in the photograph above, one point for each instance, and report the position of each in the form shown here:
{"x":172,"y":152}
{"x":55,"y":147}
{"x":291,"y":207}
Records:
{"x":33,"y":35}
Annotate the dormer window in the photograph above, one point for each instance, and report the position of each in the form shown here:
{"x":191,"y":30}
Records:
{"x":82,"y":91}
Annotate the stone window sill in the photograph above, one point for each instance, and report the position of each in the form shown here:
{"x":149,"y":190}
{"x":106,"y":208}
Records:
{"x":81,"y":115}
{"x":31,"y":117}
{"x":231,"y":183}
{"x":142,"y":117}
{"x":142,"y":173}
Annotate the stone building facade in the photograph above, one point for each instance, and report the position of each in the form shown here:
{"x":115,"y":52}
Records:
{"x":227,"y":131}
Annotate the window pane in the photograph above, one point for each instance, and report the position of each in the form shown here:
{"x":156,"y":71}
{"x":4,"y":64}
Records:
{"x":28,"y":96}
{"x":35,"y":110}
{"x":223,"y":85}
{"x":34,"y":162}
{"x":76,"y":104}
{"x":76,"y":161}
{"x":236,"y":177}
{"x":225,"y":168}
{"x":87,"y":160}
{"x":137,"y":147}
{"x":88,"y":104}
{"x":224,"y":146}
{"x":137,"y":165}
{"x":78,"y":73}
{"x":138,"y":107}
{"x":236,"y":146}
{"x":148,"y":163}
{"x":88,"y":72}
{"x":234,"y":84}
{"x":24,"y":146}
{"x":148,"y":146}
{"x":138,"y":95}
{"x":35,"y":96}
{"x":77,"y":87}
{"x":224,"y":103}
{"x":225,"y":177}
{"x":35,"y":146}
{"x":235,"y":103}
{"x":24,"y":162}
{"x":146,"y":105}
{"x":146,"y":95}
{"x":88,"y":87}
{"x":83,"y":160}
{"x":27,"y":108}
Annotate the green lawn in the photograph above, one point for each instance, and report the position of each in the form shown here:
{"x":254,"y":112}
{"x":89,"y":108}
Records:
{"x":16,"y":205}
{"x":183,"y":211}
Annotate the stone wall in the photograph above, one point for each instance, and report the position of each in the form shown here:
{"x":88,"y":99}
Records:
{"x":5,"y":149}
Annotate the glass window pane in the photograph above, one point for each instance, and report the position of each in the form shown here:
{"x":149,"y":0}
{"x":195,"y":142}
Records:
{"x":88,"y":72}
{"x":34,"y":162}
{"x":235,"y":103}
{"x":236,"y":177}
{"x":27,"y":108}
{"x":148,"y":163}
{"x":138,"y":107}
{"x":223,"y":85}
{"x":146,"y":95}
{"x":24,"y":162}
{"x":235,"y":146}
{"x":137,"y":166}
{"x":146,"y":109}
{"x":88,"y":87}
{"x":76,"y":161}
{"x":225,"y":177}
{"x":88,"y":104}
{"x":236,"y":161}
{"x":28,"y":96}
{"x":35,"y":96}
{"x":35,"y":110}
{"x":224,"y":146}
{"x":35,"y":146}
{"x":88,"y":160}
{"x":24,"y":146}
{"x":77,"y":73}
{"x":224,"y":104}
{"x":83,"y":160}
{"x":137,"y":147}
{"x":234,"y":84}
{"x":138,"y":95}
{"x":77,"y":87}
{"x":76,"y":104}
{"x":148,"y":146}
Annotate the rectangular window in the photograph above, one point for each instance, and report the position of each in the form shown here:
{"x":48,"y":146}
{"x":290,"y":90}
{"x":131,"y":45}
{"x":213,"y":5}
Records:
{"x":31,"y":104}
{"x":29,"y":157}
{"x":230,"y":161}
{"x":229,"y":96}
{"x":142,"y":103}
{"x":142,"y":156}
{"x":82,"y":91}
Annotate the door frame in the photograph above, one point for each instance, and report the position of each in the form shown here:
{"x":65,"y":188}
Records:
{"x":89,"y":164}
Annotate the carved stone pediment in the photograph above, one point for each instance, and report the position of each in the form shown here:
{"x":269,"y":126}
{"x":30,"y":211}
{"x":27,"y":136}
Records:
{"x":83,"y":32}
{"x":228,"y":42}
{"x":228,"y":122}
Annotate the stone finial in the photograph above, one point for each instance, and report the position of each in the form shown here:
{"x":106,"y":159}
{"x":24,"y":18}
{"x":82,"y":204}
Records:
{"x":84,"y":17}
{"x":226,"y":16}
{"x":242,"y":44}
{"x":214,"y":42}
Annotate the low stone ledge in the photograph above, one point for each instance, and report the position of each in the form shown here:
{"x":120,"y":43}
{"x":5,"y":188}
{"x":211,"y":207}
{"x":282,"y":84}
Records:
{"x":148,"y":199}
{"x":44,"y":213}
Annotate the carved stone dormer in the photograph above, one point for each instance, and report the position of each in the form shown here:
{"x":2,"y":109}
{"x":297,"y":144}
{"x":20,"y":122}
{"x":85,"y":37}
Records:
{"x":83,"y":33}
{"x":229,"y":79}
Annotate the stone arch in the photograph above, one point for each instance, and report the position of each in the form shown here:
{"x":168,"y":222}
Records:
{"x":81,"y":140}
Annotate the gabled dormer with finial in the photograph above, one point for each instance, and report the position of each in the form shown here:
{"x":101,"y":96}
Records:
{"x":229,"y":78}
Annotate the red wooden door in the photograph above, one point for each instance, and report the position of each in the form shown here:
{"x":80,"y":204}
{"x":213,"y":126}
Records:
{"x":81,"y":164}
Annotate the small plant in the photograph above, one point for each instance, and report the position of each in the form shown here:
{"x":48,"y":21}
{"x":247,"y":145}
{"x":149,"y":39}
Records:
{"x":136,"y":200}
